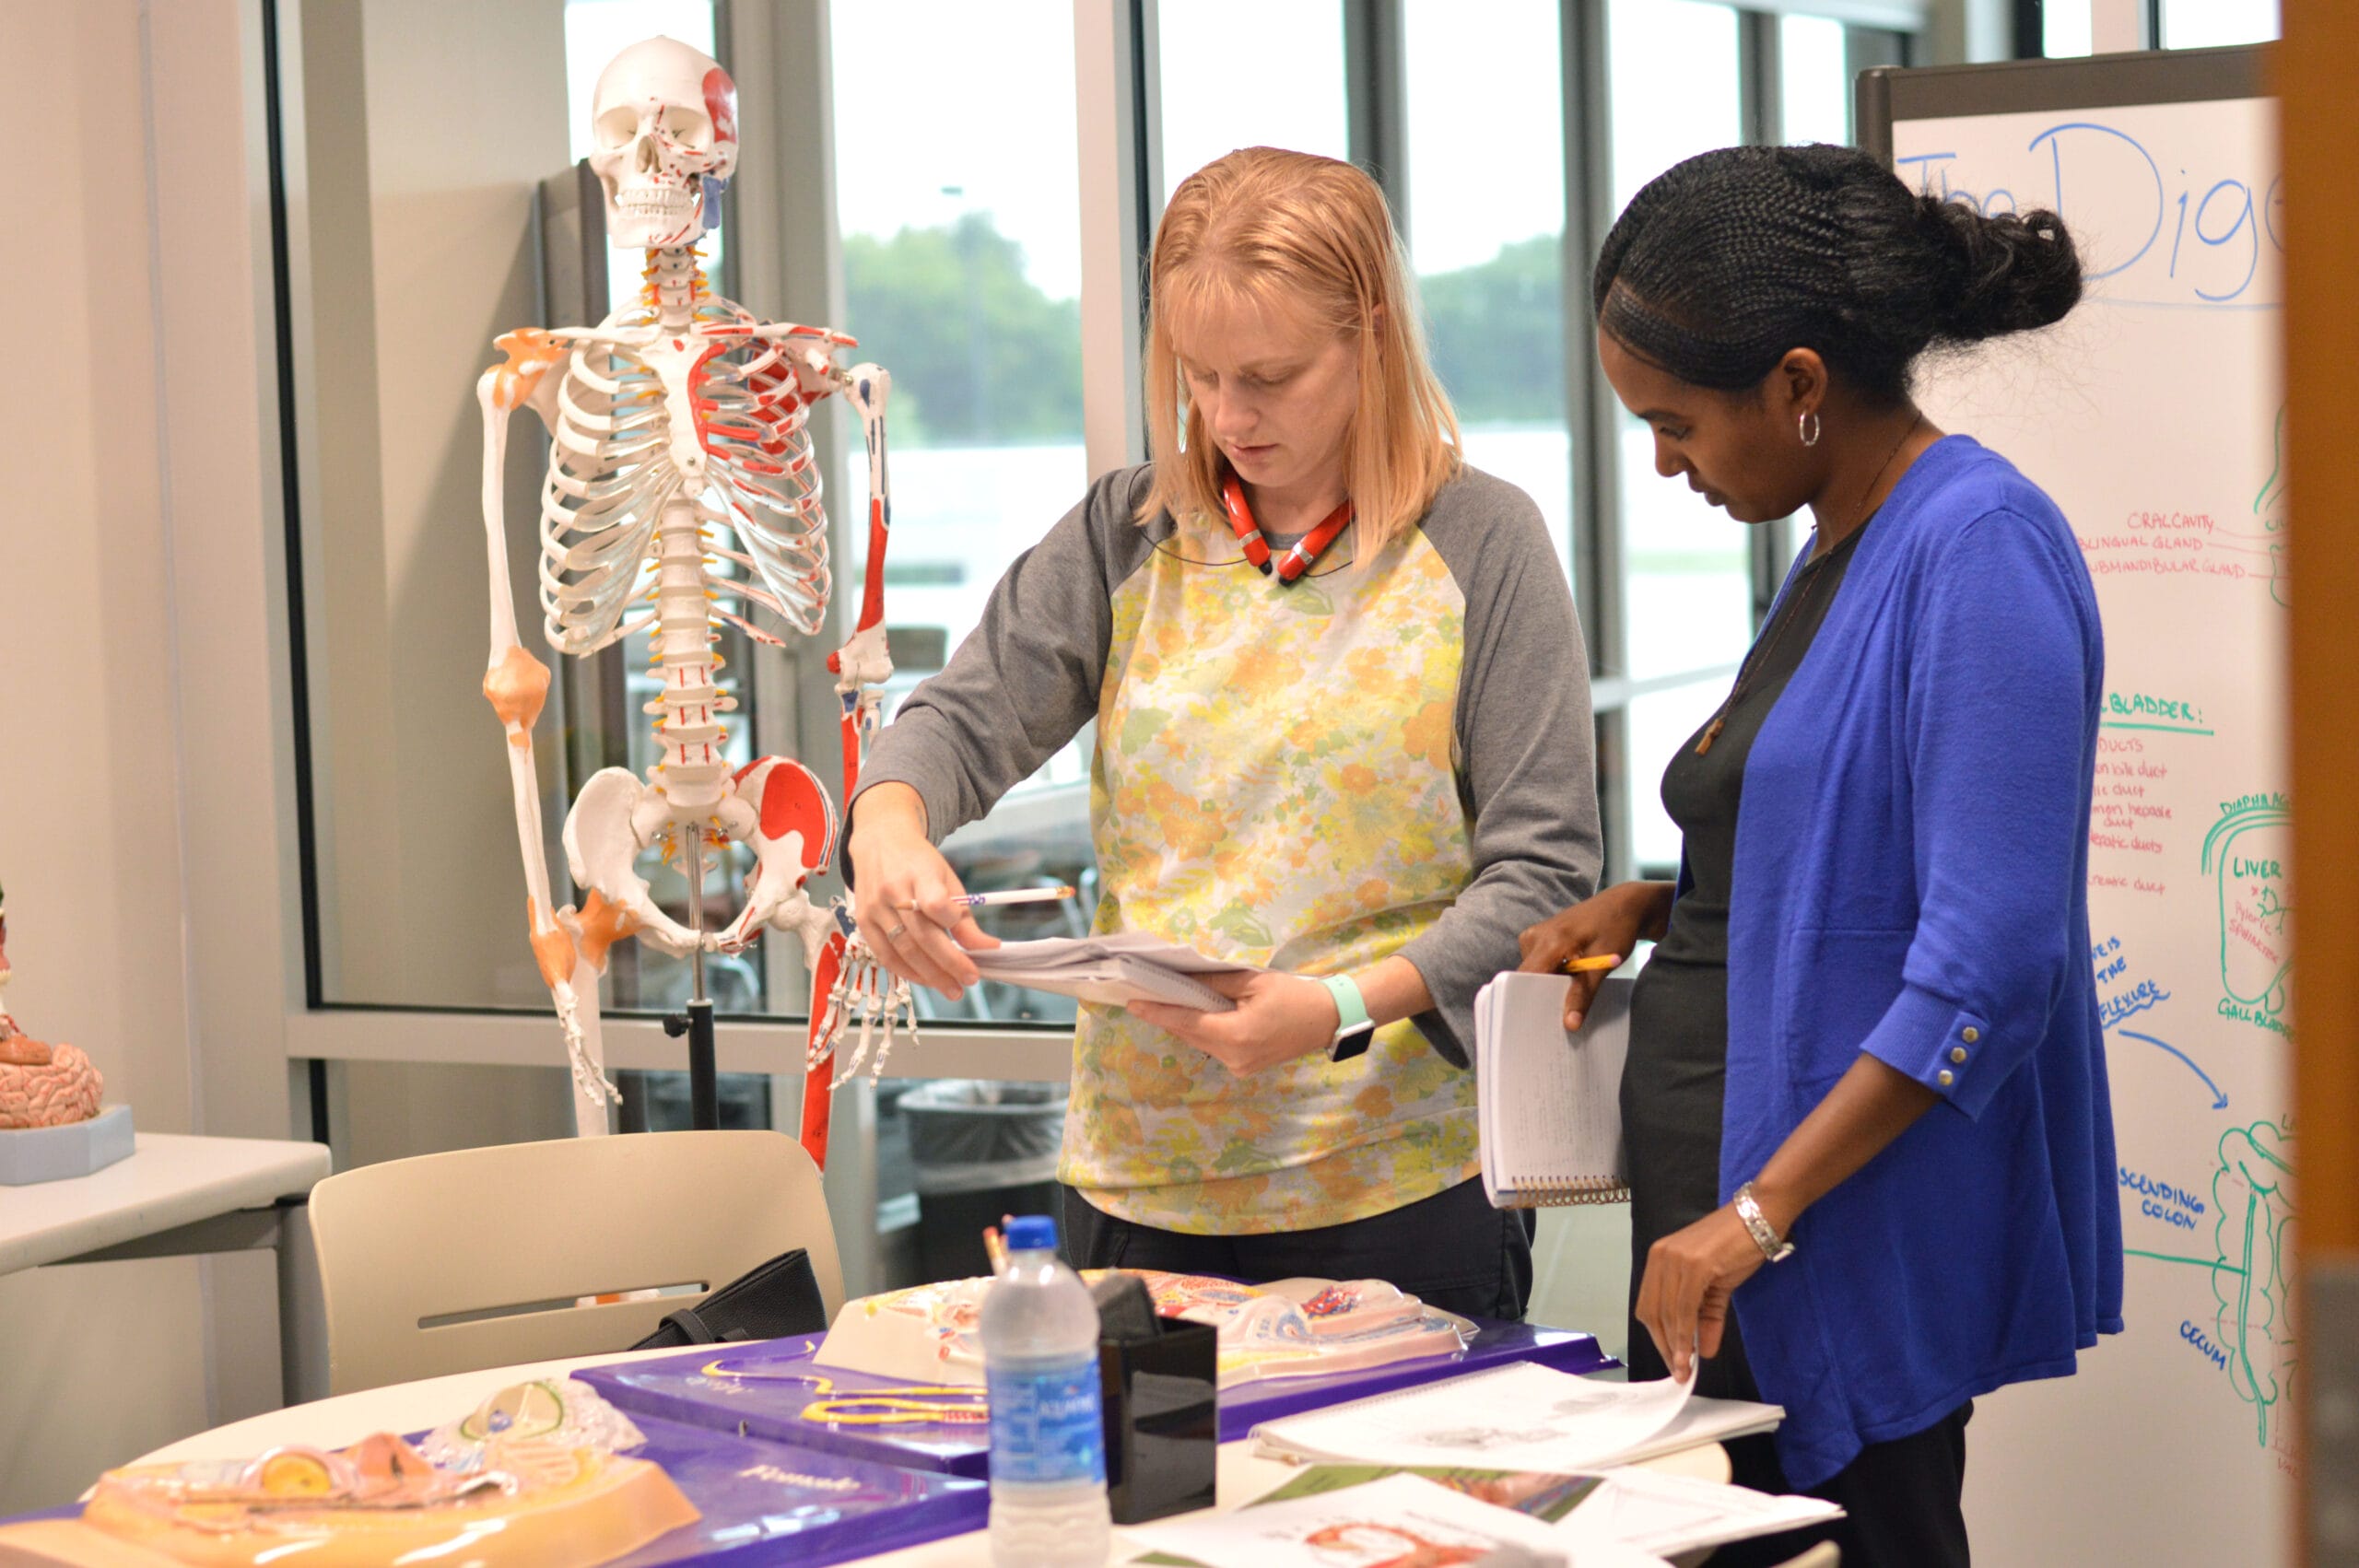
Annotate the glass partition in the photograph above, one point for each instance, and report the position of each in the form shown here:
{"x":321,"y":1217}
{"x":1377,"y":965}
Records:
{"x":1487,"y":234}
{"x":1283,"y":88}
{"x":962,"y":266}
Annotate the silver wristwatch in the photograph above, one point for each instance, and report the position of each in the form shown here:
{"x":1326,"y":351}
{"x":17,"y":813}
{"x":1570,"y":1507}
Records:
{"x":1773,"y":1248}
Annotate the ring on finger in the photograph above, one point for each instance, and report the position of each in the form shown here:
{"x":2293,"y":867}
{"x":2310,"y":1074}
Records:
{"x":893,"y":933}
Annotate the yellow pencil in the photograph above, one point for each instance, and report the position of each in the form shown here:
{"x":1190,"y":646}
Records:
{"x":1589,"y":964}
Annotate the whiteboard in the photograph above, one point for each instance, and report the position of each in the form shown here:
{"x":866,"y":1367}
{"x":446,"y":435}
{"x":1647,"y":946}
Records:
{"x":2152,"y":416}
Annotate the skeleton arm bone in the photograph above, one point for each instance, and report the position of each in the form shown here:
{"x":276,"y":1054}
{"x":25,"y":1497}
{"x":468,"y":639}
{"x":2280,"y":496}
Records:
{"x":863,"y":663}
{"x":516,"y":683}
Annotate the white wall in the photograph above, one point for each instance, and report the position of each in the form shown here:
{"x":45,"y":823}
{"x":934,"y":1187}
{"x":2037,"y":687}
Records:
{"x":99,"y":1363}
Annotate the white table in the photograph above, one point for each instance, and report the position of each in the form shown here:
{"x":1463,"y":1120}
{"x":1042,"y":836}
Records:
{"x":178,"y":1195}
{"x":414,"y":1407}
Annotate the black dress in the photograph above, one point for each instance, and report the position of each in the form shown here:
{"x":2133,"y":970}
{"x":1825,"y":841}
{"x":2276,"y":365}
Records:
{"x":1903,"y":1497}
{"x":1679,"y":1010}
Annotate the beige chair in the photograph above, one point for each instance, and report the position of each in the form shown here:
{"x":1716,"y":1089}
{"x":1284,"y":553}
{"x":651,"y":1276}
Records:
{"x":477,"y":1258}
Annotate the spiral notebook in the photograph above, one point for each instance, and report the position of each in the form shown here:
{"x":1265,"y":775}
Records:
{"x":1549,"y":1101}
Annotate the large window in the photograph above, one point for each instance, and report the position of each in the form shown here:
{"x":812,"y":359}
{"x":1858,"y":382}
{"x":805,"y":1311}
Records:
{"x":1249,"y":72}
{"x":2068,"y":27}
{"x":1676,"y":89}
{"x":941,"y":215}
{"x":2205,"y":24}
{"x":962,"y":260}
{"x":1486,"y":221}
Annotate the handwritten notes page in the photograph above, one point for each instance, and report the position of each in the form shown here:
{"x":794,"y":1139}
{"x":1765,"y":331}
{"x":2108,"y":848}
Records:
{"x":2154,"y":416}
{"x":1550,"y":1103}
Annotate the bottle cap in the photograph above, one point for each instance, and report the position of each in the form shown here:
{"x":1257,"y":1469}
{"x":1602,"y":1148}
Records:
{"x":1031,"y":1233}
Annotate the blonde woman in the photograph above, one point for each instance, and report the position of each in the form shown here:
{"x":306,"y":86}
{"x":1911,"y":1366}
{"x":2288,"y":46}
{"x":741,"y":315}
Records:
{"x":1343,"y":732}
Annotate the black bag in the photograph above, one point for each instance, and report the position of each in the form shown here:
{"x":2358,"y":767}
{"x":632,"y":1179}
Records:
{"x":781,"y":1297}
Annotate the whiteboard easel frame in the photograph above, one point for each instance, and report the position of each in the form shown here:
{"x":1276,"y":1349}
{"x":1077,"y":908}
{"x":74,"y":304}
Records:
{"x":1889,"y":93}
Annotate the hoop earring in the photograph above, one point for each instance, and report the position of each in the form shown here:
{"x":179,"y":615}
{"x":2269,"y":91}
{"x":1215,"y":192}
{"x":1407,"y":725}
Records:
{"x":1807,"y":426}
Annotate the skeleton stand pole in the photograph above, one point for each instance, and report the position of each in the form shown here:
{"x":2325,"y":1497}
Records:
{"x":704,"y":1085}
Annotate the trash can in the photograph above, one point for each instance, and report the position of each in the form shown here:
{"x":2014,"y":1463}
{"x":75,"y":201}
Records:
{"x":979,"y":1151}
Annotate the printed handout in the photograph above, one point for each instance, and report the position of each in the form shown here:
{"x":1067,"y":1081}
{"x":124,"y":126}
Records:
{"x":1386,"y":1523}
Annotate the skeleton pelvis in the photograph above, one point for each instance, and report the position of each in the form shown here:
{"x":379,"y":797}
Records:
{"x":792,"y":832}
{"x":775,"y":804}
{"x":612,"y":819}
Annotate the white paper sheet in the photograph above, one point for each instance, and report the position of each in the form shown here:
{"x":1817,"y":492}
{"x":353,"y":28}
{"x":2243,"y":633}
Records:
{"x":1517,"y":1418}
{"x":1669,"y":1514}
{"x":1050,"y":952}
{"x":1363,"y":1527}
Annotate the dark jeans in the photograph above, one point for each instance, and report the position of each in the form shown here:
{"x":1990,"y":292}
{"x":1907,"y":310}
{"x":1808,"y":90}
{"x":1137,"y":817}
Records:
{"x":1901,"y":1502}
{"x":1452,"y":1250}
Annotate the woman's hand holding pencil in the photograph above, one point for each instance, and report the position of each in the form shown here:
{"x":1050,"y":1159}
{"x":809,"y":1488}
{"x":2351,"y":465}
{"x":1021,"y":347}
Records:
{"x":1591,"y":938}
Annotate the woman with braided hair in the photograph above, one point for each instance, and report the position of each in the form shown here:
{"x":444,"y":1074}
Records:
{"x":1871,"y":1148}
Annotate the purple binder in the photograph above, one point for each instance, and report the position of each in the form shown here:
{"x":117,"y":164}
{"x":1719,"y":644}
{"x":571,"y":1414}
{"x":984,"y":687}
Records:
{"x":763,"y":1399}
{"x":767,"y":1503}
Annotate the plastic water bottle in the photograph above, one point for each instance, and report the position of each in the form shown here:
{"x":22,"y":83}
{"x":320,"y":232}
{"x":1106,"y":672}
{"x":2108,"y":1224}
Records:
{"x":1047,"y":1434}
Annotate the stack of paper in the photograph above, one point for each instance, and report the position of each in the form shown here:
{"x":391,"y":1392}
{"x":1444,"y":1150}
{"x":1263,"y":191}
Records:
{"x":1516,"y":1418}
{"x":1653,"y":1510}
{"x":1128,"y":966}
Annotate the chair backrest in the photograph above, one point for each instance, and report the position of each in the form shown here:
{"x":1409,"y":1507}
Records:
{"x":425,"y":1263}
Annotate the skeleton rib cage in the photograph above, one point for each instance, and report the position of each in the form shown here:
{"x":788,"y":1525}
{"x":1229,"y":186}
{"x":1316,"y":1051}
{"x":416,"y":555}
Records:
{"x":612,"y":471}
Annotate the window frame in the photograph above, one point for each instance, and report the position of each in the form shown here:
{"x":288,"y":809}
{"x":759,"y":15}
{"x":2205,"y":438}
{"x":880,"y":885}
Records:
{"x":785,"y":248}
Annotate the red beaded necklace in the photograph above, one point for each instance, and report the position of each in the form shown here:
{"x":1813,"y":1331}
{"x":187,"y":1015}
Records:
{"x":1305,"y":550}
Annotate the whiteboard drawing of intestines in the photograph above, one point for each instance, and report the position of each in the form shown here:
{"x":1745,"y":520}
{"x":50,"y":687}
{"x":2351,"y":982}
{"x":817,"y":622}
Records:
{"x":2251,"y":1276}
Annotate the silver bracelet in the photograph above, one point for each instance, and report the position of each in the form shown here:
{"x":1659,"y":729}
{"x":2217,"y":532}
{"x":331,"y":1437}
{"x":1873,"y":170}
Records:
{"x":1773,"y":1248}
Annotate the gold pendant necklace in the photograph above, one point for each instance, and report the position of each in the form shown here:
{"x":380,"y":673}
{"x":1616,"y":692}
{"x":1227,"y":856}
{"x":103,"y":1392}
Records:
{"x":1810,"y":583}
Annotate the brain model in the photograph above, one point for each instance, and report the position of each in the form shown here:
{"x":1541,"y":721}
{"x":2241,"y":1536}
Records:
{"x":39,"y":1085}
{"x":44,"y":1085}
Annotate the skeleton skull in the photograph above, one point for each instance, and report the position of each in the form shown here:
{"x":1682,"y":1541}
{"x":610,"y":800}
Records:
{"x":665,"y":118}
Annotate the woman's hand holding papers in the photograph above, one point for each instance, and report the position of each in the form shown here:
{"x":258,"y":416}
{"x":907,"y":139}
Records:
{"x":906,"y":898}
{"x":1278,"y":1018}
{"x":1684,"y":1299}
{"x":1691,"y":1273}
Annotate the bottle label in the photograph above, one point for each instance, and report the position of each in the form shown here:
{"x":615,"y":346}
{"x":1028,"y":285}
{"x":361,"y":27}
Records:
{"x":1045,"y":1424}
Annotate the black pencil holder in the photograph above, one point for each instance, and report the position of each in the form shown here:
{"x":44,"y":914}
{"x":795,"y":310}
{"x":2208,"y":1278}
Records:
{"x":1162,"y":1400}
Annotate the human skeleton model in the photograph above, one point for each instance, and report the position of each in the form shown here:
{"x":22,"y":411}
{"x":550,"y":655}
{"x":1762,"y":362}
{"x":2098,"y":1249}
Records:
{"x":675,"y":427}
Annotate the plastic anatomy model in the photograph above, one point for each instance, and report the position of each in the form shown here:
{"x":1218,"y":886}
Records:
{"x":1289,"y":1329}
{"x":681,"y":483}
{"x":549,"y":1485}
{"x":40,"y":1085}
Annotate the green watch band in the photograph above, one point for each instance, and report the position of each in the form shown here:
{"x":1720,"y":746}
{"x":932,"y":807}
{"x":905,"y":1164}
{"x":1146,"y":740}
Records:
{"x":1353,"y":1025}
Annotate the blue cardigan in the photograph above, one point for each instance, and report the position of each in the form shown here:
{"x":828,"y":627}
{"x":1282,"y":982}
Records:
{"x":1911,"y":880}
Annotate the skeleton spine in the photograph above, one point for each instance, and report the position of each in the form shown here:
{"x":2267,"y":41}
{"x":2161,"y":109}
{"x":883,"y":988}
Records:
{"x":674,"y":282}
{"x":693,"y":775}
